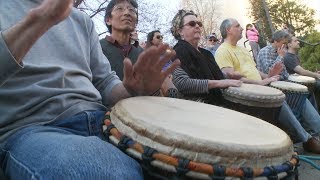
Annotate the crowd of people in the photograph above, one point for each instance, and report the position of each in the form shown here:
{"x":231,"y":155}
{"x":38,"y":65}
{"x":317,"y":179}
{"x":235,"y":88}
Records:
{"x":57,"y":80}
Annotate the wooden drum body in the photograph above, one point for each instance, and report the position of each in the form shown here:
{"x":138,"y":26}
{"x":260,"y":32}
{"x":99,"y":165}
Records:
{"x":256,"y":100}
{"x":296,"y":95}
{"x":186,"y":139}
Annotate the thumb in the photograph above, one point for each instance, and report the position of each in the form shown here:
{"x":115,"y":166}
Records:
{"x":127,"y":69}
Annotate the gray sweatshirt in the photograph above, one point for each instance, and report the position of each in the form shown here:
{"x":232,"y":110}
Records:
{"x":63,"y":74}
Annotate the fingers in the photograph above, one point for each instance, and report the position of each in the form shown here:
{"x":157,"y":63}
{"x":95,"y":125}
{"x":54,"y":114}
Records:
{"x":127,"y":69}
{"x":166,"y":57}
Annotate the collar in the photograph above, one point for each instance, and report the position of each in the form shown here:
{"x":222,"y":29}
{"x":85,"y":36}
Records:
{"x":125,"y":49}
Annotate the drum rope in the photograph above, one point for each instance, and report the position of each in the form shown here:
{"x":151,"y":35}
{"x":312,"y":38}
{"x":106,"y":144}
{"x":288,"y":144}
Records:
{"x":182,"y":166}
{"x":308,"y":159}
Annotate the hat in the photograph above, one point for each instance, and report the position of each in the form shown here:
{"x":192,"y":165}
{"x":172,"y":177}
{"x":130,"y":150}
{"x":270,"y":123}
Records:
{"x":212,"y":36}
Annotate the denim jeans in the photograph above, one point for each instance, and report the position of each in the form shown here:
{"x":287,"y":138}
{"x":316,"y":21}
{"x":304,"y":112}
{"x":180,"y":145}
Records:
{"x":300,"y":130}
{"x":68,"y":149}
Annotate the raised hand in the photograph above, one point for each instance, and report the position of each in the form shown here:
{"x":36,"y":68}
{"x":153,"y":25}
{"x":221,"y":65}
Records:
{"x":282,"y":50}
{"x":53,"y":11}
{"x":146,"y":75}
{"x":276,"y":69}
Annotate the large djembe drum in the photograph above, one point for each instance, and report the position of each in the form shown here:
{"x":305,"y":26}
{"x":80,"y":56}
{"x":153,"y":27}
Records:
{"x":256,"y":100}
{"x":186,"y":139}
{"x":296,"y":95}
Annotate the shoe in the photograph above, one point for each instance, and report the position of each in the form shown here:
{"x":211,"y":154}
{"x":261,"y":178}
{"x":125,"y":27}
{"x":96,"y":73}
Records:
{"x":312,"y":145}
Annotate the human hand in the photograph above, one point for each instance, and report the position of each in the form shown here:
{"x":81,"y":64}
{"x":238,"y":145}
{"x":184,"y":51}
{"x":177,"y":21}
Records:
{"x":53,"y":11}
{"x":225,"y":83}
{"x":276,"y":69}
{"x":146,"y":76}
{"x":282,"y":50}
{"x":269,"y":80}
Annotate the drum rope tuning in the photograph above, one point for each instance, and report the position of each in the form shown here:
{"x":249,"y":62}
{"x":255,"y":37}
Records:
{"x":150,"y":156}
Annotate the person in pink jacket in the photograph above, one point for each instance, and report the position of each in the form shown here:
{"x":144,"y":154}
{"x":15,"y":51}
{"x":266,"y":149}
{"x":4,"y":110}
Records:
{"x":252,"y":35}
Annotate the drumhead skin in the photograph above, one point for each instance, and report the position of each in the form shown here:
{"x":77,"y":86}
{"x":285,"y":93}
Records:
{"x":301,"y":79}
{"x":255,"y":95}
{"x":201,"y":132}
{"x":289,"y":86}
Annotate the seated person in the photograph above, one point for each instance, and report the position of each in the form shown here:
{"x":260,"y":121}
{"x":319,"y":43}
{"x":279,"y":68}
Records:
{"x":55,"y":85}
{"x":231,"y":58}
{"x":292,"y":63}
{"x":117,"y":46}
{"x":199,"y":77}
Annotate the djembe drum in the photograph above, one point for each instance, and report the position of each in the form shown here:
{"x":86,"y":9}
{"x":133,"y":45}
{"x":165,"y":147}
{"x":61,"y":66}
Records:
{"x":256,"y":100}
{"x":186,"y":139}
{"x":310,"y":83}
{"x":296,"y":95}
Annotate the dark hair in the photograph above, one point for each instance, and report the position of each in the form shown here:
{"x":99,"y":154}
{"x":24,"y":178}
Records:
{"x":110,"y":6}
{"x":279,"y":35}
{"x":151,"y":35}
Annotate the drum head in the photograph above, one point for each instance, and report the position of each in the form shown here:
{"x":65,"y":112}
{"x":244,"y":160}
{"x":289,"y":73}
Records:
{"x":255,"y":95}
{"x":201,"y":132}
{"x":289,"y":86}
{"x":301,"y":79}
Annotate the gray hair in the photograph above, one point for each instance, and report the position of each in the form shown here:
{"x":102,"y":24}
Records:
{"x":279,"y":35}
{"x":227,"y":23}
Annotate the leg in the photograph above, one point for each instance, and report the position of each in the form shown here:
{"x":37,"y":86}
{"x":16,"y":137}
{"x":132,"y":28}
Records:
{"x":59,"y":151}
{"x":310,"y":119}
{"x":291,"y":125}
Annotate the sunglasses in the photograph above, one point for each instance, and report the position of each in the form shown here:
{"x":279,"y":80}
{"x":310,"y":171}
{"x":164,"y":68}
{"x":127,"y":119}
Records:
{"x":159,"y":37}
{"x":212,"y":40}
{"x":194,"y":23}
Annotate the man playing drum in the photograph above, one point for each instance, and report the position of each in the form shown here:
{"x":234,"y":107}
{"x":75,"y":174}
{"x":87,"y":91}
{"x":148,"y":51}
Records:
{"x":55,"y":84}
{"x":292,"y":63}
{"x":232,"y":58}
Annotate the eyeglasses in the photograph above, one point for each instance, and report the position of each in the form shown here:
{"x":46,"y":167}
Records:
{"x":121,"y":9}
{"x":212,"y":40}
{"x":194,"y":23}
{"x":159,"y":37}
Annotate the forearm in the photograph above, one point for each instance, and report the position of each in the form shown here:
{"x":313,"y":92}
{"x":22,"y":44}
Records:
{"x":22,"y":36}
{"x":118,"y":93}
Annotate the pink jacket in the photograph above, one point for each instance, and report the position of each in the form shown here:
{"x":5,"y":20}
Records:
{"x":253,"y":35}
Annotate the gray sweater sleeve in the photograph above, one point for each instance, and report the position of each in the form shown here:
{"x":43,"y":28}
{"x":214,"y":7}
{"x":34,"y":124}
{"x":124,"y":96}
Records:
{"x":8,"y":64}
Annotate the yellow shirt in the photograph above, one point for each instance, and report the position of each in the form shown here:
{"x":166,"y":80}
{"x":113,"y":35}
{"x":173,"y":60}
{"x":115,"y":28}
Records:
{"x":237,"y":58}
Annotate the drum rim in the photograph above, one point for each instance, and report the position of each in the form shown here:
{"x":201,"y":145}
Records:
{"x":214,"y":149}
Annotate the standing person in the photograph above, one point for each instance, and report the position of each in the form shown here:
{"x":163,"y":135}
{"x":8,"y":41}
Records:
{"x":232,"y":57}
{"x":199,"y":77}
{"x":252,"y":35}
{"x":212,"y":43}
{"x":154,"y":38}
{"x":55,"y":84}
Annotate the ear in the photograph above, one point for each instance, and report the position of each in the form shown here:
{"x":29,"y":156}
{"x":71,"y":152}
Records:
{"x":180,"y":32}
{"x":108,"y":21}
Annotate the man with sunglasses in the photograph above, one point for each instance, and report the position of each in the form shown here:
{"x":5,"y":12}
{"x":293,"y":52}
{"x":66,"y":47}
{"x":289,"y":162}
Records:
{"x":212,"y":43}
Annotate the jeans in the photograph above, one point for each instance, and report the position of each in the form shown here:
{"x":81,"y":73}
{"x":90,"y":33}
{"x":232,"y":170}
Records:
{"x":300,"y":130}
{"x":68,"y":149}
